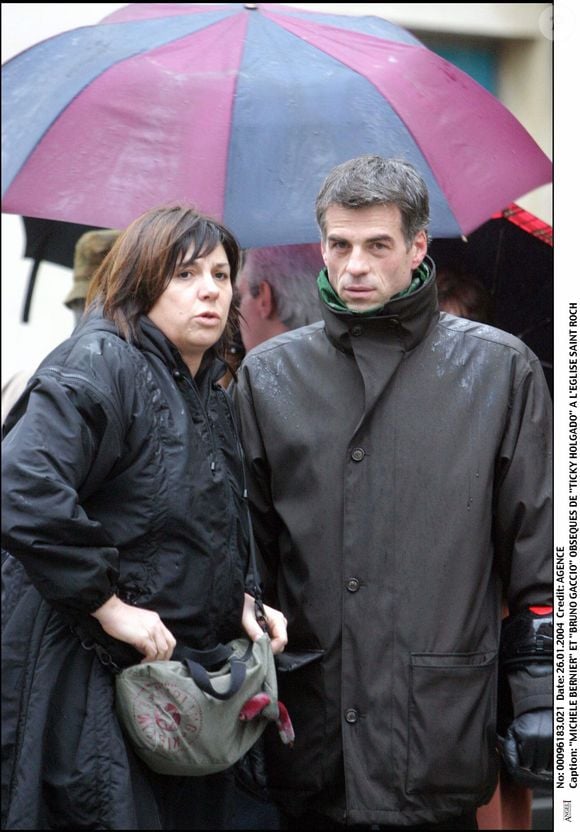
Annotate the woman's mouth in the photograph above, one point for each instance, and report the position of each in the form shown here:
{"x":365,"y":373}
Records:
{"x":208,"y":317}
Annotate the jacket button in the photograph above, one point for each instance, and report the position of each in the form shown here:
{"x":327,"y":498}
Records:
{"x":356,"y":330}
{"x":353,"y":584}
{"x":177,"y":375}
{"x":351,"y":716}
{"x":357,"y":454}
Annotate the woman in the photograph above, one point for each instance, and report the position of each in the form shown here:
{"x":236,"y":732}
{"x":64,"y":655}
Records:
{"x":124,"y":504}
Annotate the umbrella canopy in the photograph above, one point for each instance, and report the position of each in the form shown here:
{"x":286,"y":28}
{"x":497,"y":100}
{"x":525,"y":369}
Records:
{"x":513,"y":256}
{"x":52,"y":241}
{"x":243,"y":109}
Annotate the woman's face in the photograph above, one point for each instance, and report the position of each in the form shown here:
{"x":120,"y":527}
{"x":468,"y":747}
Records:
{"x":193,"y":310}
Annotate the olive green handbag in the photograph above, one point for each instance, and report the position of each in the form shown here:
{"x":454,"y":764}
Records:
{"x":189,"y":717}
{"x":201,"y":712}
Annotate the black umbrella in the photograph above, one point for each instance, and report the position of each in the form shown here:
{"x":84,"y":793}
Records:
{"x":52,"y":241}
{"x":512,"y":255}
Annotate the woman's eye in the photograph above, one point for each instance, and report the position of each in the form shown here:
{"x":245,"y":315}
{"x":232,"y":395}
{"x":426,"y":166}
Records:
{"x":183,"y":275}
{"x":222,"y":276}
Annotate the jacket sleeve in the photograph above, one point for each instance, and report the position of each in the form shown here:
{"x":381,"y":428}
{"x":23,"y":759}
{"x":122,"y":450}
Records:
{"x":63,"y":445}
{"x":523,"y":516}
{"x":265,"y":521}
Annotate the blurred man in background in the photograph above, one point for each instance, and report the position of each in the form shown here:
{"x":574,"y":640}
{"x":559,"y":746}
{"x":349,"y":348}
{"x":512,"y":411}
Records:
{"x":278,"y":291}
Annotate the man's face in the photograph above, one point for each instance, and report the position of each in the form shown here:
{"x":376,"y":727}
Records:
{"x":366,"y":254}
{"x":251,"y":321}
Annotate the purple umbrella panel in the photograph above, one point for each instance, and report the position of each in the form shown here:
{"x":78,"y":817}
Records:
{"x":243,"y":110}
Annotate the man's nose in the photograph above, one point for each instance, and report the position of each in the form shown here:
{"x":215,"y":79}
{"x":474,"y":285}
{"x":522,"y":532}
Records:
{"x":357,"y":262}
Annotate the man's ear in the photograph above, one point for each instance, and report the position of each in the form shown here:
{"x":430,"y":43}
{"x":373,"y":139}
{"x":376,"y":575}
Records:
{"x":323,"y":250}
{"x":419,"y":249}
{"x":265,"y":300}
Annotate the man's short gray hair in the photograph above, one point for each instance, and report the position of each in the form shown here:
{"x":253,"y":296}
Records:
{"x":374,"y":180}
{"x":291,"y":272}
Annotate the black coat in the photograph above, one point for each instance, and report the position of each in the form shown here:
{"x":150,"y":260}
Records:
{"x":400,"y":479}
{"x":120,"y":476}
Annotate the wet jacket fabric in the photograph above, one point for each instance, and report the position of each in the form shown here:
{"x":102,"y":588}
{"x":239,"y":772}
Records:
{"x":121,"y":476}
{"x":399,"y":475}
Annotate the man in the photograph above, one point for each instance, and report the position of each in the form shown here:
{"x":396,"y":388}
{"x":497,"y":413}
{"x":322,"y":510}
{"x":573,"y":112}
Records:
{"x":400,"y":473}
{"x":90,"y":250}
{"x":277,"y":287}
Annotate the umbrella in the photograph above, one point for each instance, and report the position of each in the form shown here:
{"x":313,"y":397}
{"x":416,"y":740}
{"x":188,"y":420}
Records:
{"x":513,"y":256}
{"x":52,"y":241}
{"x":243,"y":109}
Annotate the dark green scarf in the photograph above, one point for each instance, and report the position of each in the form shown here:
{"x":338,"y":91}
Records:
{"x":331,"y":299}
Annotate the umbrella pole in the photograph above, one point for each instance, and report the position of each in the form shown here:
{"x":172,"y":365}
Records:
{"x":29,"y":292}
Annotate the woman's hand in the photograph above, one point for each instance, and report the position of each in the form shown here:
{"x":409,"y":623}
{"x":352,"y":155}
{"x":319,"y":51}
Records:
{"x":142,"y":629}
{"x":275,"y":623}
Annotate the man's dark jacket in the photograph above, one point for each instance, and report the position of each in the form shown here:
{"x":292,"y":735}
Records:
{"x":400,"y":482}
{"x":120,"y":475}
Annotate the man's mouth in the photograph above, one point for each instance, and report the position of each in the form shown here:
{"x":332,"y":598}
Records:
{"x":359,"y":290}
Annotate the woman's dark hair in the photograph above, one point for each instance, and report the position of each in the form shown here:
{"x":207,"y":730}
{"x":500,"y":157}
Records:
{"x":141,"y":263}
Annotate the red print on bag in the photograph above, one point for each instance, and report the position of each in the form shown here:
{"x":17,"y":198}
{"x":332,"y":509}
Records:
{"x":166,"y":715}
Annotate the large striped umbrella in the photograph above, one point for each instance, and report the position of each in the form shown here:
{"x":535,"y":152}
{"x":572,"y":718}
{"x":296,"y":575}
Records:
{"x":243,"y":109}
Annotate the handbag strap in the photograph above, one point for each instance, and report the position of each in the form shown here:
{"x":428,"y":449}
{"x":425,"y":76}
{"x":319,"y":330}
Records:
{"x":214,"y":657}
{"x":256,"y":590}
{"x":201,"y":677}
{"x":253,"y":579}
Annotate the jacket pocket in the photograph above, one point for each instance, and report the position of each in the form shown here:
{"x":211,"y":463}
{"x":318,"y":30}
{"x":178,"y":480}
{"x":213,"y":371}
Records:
{"x":451,"y":740}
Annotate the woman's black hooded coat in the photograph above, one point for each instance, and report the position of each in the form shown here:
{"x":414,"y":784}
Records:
{"x":121,"y":476}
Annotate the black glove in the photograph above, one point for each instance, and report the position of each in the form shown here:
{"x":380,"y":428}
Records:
{"x":526,"y":664}
{"x":527,"y":748}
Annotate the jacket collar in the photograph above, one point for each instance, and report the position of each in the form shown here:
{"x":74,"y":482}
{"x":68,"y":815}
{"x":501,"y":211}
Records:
{"x":405,"y":319}
{"x":211,"y":368}
{"x":152,"y":340}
